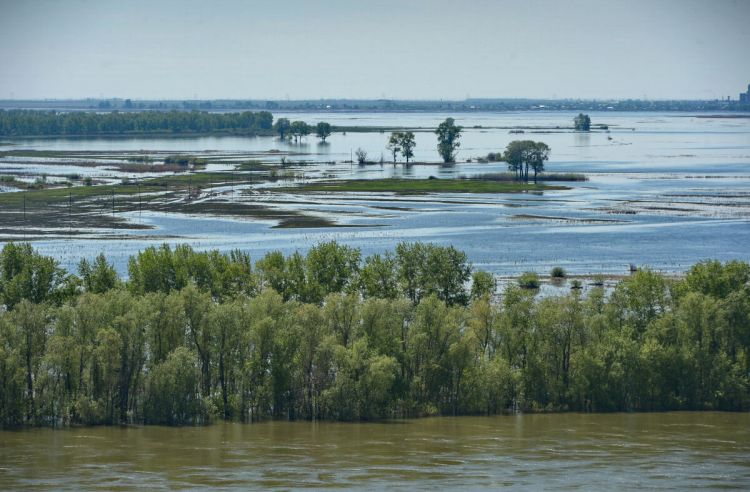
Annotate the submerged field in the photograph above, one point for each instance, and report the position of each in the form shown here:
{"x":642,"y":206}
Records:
{"x":663,"y":190}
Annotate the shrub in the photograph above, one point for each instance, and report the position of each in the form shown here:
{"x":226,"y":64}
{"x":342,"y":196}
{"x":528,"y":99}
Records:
{"x":529,"y":280}
{"x":558,"y":272}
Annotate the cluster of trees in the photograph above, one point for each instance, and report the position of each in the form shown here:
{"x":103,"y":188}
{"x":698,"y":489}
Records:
{"x":299,"y":129}
{"x":448,"y":136}
{"x":402,"y":143}
{"x":194,"y":336}
{"x":26,"y":122}
{"x":522,"y":155}
{"x":582,"y":122}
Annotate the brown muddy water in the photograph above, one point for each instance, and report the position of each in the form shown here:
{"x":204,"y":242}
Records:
{"x":665,"y":451}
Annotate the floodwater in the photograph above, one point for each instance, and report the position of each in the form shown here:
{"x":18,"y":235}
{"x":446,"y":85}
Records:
{"x":665,"y":190}
{"x":663,"y":451}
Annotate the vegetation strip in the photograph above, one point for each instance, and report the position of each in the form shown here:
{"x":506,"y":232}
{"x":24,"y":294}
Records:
{"x":193,"y":337}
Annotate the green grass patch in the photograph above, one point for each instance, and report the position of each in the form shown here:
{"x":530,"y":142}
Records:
{"x":418,"y":186}
{"x":52,"y":196}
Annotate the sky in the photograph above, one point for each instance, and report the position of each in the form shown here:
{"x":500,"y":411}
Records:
{"x":365,"y":49}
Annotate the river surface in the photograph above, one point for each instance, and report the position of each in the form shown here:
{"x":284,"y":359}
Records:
{"x":664,"y":451}
{"x":665,"y":190}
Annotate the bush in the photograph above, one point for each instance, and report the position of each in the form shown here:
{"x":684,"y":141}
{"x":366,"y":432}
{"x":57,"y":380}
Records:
{"x":576,"y":285}
{"x":598,"y":280}
{"x":529,"y":280}
{"x":558,"y":272}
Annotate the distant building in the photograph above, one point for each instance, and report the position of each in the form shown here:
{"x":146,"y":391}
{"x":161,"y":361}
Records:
{"x":745,"y":96}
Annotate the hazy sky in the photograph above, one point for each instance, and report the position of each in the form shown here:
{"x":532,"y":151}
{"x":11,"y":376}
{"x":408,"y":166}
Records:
{"x":450,"y":49}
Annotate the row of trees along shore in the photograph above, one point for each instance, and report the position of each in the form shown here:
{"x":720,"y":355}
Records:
{"x":191,"y":337}
{"x":50,"y":123}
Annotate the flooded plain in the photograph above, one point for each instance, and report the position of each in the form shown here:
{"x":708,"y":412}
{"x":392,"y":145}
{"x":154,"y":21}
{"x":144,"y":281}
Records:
{"x":664,"y":190}
{"x":662,"y":451}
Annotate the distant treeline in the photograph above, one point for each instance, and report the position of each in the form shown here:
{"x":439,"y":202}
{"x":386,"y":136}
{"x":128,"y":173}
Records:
{"x":193,"y":336}
{"x":51,"y":123}
{"x":466,"y":105}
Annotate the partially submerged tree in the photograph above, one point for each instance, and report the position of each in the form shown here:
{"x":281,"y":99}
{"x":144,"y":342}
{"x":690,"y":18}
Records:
{"x":407,"y":144}
{"x":282,"y":127}
{"x":361,"y":155}
{"x":323,"y":130}
{"x":582,"y":122}
{"x":394,"y":144}
{"x":299,"y":129}
{"x":448,"y":134}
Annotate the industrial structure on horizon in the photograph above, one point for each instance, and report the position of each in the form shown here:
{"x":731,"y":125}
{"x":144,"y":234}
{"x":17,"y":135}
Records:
{"x":745,"y":96}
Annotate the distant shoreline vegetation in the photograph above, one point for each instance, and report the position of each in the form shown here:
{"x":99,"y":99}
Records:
{"x":30,"y":123}
{"x":376,"y":105}
{"x":193,"y":337}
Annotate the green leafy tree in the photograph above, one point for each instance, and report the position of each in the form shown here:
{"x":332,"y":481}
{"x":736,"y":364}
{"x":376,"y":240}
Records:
{"x":538,"y":154}
{"x":448,"y":134}
{"x":299,"y":129}
{"x":98,"y":277}
{"x":378,"y":277}
{"x":323,"y":130}
{"x":394,"y":144}
{"x":25,"y":274}
{"x":515,"y":156}
{"x":172,"y":394}
{"x":482,"y":284}
{"x":282,"y":127}
{"x":406,"y":145}
{"x":582,"y":122}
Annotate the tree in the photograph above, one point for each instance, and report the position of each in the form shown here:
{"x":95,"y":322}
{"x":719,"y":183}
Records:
{"x":538,"y":154}
{"x":99,"y":277}
{"x":448,"y":134}
{"x":515,"y":156}
{"x":30,"y":322}
{"x":299,"y":129}
{"x":323,"y":130}
{"x":331,"y":267}
{"x":482,"y":284}
{"x":378,"y":277}
{"x":172,"y":396}
{"x":282,"y":127}
{"x":394,"y":144}
{"x":407,"y":144}
{"x":582,"y":122}
{"x":361,"y":155}
{"x":524,"y":154}
{"x":25,"y":274}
